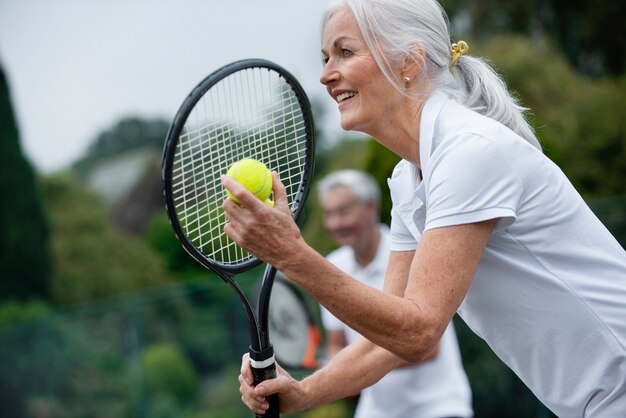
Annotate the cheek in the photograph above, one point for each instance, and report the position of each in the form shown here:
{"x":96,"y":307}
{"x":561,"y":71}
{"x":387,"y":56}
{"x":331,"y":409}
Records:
{"x":329,"y":223}
{"x":352,"y":223}
{"x":380,"y":95}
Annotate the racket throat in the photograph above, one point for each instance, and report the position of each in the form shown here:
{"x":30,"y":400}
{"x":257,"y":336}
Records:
{"x":263,"y":305}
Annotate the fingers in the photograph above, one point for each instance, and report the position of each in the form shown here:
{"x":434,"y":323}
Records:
{"x":280,"y":193}
{"x":246,"y":370}
{"x":242,"y":194}
{"x":253,"y":397}
{"x":250,"y":201}
{"x":256,"y":226}
{"x":256,"y":403}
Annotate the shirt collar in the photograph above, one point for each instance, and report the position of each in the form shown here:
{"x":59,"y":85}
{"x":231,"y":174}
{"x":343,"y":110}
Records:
{"x":428,"y":120}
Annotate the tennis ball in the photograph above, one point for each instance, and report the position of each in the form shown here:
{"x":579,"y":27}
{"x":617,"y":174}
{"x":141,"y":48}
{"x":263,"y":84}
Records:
{"x":254,"y":176}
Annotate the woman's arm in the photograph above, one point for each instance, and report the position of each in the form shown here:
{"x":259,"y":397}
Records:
{"x":357,"y":366}
{"x":354,"y":368}
{"x":335,"y":342}
{"x":440,"y":273}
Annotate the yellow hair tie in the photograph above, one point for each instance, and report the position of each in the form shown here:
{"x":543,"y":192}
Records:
{"x":458,"y":49}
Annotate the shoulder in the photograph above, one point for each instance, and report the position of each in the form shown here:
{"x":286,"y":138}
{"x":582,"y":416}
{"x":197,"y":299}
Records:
{"x":465,"y":139}
{"x":458,"y":123}
{"x":449,"y":127}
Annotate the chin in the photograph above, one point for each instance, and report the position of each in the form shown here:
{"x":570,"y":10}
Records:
{"x":351,"y":123}
{"x":345,"y":124}
{"x":348,"y":124}
{"x":348,"y":241}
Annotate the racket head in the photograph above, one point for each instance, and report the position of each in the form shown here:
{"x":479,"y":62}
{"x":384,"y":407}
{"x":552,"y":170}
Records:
{"x":296,"y":337}
{"x":251,"y":108}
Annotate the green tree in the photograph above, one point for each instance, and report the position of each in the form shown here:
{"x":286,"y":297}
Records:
{"x":24,"y":255}
{"x":588,"y":33}
{"x":92,"y":259}
{"x":128,"y":134}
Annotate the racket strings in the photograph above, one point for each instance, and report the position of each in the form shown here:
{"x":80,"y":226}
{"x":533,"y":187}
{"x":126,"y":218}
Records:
{"x":252,"y":113}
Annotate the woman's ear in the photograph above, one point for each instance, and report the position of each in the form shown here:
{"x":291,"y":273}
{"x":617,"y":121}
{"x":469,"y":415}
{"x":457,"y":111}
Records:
{"x":414,"y":63}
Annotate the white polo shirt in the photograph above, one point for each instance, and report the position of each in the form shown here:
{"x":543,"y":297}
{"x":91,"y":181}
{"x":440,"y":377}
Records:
{"x":438,"y":388}
{"x":549,"y":295}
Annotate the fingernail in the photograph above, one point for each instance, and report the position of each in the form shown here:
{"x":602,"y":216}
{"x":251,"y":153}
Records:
{"x":260,"y":390}
{"x":248,"y":381}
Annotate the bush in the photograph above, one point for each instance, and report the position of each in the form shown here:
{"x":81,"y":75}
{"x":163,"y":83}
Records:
{"x":13,"y":313}
{"x":169,"y":373}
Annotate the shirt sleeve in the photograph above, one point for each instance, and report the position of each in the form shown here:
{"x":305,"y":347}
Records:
{"x":401,"y":238}
{"x":471,"y":180}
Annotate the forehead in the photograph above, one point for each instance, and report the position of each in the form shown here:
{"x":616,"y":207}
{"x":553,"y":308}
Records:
{"x":337,"y":196}
{"x":342,"y":24}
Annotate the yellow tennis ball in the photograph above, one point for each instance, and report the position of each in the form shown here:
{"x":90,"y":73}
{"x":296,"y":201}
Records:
{"x":254,"y":176}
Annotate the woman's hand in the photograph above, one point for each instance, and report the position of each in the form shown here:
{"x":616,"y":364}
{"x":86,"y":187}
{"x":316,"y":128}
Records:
{"x":291,"y":395}
{"x":269,"y":233}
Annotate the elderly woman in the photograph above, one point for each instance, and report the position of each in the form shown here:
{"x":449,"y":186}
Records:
{"x":483,"y":224}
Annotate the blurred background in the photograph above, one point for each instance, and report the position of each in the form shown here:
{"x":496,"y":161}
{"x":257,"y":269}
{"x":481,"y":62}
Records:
{"x":102,"y":314}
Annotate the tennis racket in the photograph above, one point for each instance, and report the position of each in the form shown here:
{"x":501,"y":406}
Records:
{"x":296,"y":337}
{"x":247,"y":109}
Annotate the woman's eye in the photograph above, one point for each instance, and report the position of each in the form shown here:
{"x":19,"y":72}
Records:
{"x":346,"y":53}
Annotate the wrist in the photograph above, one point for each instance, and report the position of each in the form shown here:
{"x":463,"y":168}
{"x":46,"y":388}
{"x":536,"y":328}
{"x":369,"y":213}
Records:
{"x":298,"y":259}
{"x":309,"y":397}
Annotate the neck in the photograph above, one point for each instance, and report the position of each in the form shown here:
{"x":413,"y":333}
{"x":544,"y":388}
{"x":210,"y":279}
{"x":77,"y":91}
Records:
{"x":365,"y":250}
{"x":400,"y":130}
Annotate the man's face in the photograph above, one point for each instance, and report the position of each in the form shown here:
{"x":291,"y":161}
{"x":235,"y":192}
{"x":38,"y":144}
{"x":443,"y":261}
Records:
{"x":347,"y":219}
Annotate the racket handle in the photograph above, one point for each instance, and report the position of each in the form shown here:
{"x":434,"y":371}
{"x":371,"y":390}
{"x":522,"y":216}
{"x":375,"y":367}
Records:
{"x":263,"y":365}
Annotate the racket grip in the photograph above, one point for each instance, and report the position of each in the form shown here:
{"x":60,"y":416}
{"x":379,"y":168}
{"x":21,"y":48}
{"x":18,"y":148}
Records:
{"x":263,"y":365}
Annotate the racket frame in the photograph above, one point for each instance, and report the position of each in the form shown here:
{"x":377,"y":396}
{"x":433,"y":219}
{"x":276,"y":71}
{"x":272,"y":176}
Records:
{"x":261,"y":351}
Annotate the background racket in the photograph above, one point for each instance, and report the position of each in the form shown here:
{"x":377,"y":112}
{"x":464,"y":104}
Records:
{"x":296,"y":336}
{"x":247,"y":109}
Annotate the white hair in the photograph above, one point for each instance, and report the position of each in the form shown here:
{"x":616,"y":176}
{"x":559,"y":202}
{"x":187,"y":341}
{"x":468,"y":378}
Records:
{"x":361,"y":184}
{"x":395,"y":30}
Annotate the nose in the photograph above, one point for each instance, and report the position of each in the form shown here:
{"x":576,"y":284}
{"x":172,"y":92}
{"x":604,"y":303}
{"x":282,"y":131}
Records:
{"x":329,"y":74}
{"x":332,"y":222}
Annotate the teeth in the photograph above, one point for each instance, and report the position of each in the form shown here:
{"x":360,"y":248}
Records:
{"x":344,"y":96}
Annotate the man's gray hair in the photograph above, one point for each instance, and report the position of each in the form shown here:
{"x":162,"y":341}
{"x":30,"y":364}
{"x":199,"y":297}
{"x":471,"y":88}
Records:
{"x":360,"y":183}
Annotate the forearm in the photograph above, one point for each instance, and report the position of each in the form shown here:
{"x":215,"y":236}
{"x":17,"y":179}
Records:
{"x":356,"y":367}
{"x":385,"y":318}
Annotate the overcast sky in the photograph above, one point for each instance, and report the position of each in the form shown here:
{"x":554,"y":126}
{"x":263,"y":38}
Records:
{"x":76,"y":67}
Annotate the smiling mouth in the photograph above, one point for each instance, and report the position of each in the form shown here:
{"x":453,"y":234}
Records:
{"x":344,"y":96}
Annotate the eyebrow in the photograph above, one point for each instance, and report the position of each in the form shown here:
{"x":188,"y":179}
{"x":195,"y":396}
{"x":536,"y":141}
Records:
{"x":337,"y":41}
